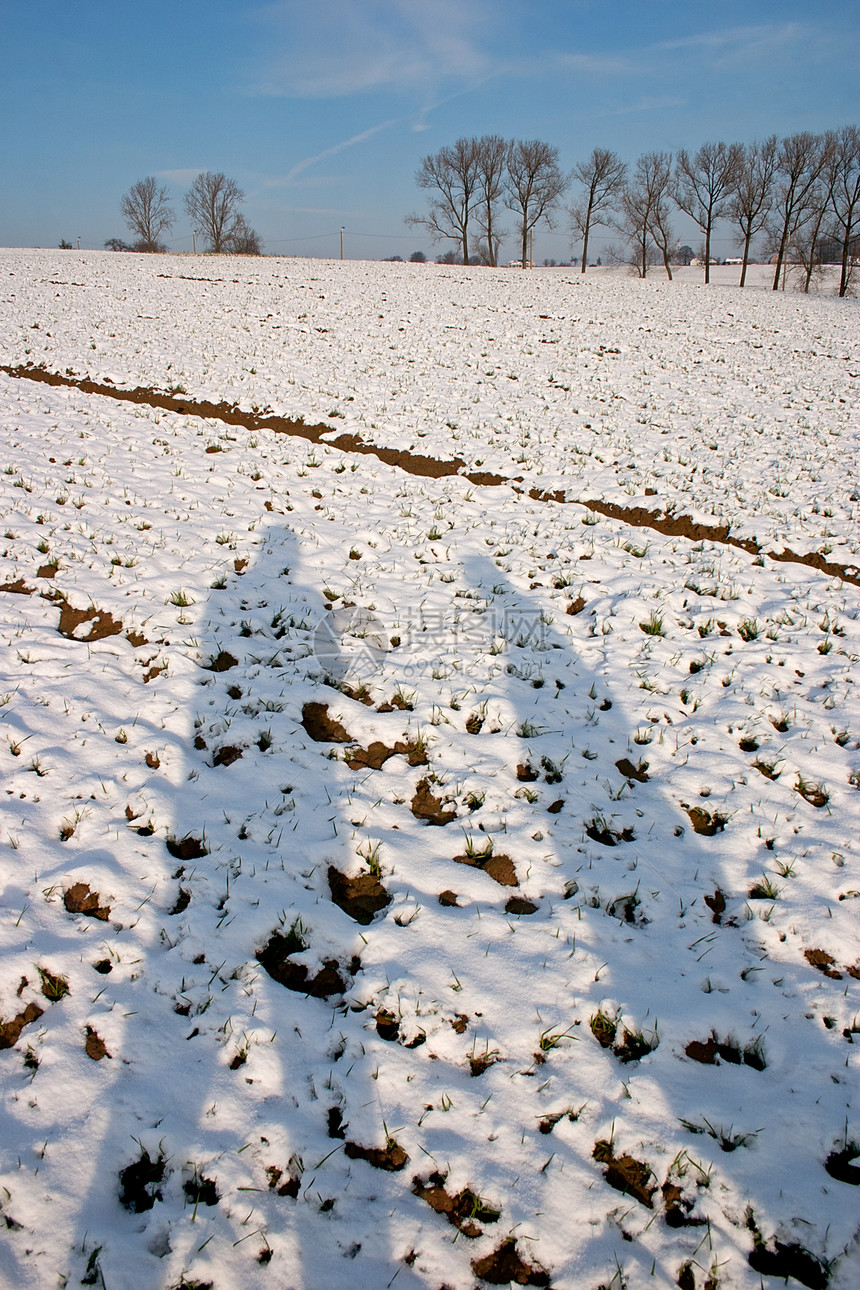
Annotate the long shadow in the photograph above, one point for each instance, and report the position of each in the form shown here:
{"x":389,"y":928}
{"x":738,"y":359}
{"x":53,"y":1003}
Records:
{"x":506,"y":1016}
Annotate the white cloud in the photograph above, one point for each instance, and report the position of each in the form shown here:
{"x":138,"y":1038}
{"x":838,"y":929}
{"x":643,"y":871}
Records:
{"x":335,"y":149}
{"x":334,"y":48}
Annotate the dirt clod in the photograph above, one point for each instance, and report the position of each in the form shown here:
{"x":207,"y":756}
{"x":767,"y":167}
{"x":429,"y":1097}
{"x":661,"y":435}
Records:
{"x":520,"y":906}
{"x":102,"y":623}
{"x":275,"y":958}
{"x":361,"y":897}
{"x":505,"y":1266}
{"x":322,"y":728}
{"x":140,"y":1182}
{"x":625,"y":1174}
{"x":392,"y":1158}
{"x":463,"y":1210}
{"x":429,"y":808}
{"x":824,"y":962}
{"x":80,"y":900}
{"x":10,"y":1031}
{"x":639,"y":773}
{"x":94,"y":1046}
{"x":499,"y":867}
{"x":222,"y":662}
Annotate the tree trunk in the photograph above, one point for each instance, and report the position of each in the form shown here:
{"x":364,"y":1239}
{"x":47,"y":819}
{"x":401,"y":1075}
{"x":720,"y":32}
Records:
{"x":585,"y":241}
{"x":708,"y":252}
{"x":747,"y":241}
{"x":843,"y":277}
{"x":780,"y":256}
{"x":525,"y":245}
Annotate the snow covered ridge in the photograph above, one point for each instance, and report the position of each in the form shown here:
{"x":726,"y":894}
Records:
{"x":408,"y":881}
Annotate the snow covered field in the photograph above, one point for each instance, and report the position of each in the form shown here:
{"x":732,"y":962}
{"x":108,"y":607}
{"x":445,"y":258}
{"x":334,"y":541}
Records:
{"x":427,"y":876}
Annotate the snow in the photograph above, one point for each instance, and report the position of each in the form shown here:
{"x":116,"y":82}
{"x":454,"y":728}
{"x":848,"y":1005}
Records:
{"x":322,"y":571}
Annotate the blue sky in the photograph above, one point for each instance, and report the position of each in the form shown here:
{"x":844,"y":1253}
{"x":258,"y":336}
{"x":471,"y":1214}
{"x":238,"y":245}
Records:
{"x":323,"y":109}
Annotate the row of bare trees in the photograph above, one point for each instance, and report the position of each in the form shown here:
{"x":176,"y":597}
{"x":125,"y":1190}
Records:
{"x":802,"y":193}
{"x":212,"y":203}
{"x":470,"y":180}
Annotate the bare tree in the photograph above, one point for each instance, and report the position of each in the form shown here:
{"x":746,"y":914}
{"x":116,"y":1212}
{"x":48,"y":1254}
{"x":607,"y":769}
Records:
{"x":656,"y":171}
{"x":750,"y":203}
{"x":645,"y":211}
{"x":451,"y":176}
{"x":533,"y":186}
{"x":801,"y":159}
{"x":146,"y":212}
{"x":704,"y":184}
{"x":602,"y":177}
{"x":845,"y":197}
{"x":492,"y":155}
{"x":807,"y":241}
{"x":243,"y":240}
{"x":211,"y":203}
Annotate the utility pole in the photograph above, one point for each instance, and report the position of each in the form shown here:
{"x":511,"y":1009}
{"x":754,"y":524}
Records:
{"x":343,"y":226}
{"x":79,"y":241}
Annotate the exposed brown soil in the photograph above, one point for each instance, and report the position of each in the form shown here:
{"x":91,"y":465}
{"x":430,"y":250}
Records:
{"x":461,"y":1209}
{"x":95,"y":1046}
{"x":482,"y":1062}
{"x":322,"y":728}
{"x":824,"y":962}
{"x":625,"y":1174}
{"x":46,"y":571}
{"x":601,"y":832}
{"x":140,"y":1183}
{"x":519,"y":905}
{"x":526,"y":774}
{"x":391,"y":1157}
{"x":448,"y":899}
{"x":275,"y":958}
{"x":678,"y":1207}
{"x":229,"y":414}
{"x":639,"y":773}
{"x":289,"y":1187}
{"x":226,"y":755}
{"x":704,"y":822}
{"x":708,"y":1050}
{"x":575,"y":606}
{"x":838,"y":1165}
{"x":183,"y":900}
{"x":387,"y":1026}
{"x":812,"y":793}
{"x":187,"y":848}
{"x":474,"y":724}
{"x":54,"y":987}
{"x":10,"y":1031}
{"x":377,"y":754}
{"x":102,"y":623}
{"x":505,"y":1266}
{"x":362,"y":897}
{"x":500,"y":868}
{"x":717,"y":905}
{"x":430,"y":467}
{"x":18,"y":588}
{"x":80,"y":900}
{"x":429,"y":808}
{"x":222,"y":662}
{"x":786,"y":1261}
